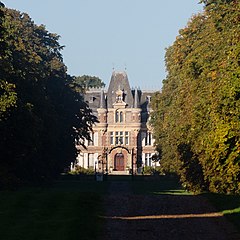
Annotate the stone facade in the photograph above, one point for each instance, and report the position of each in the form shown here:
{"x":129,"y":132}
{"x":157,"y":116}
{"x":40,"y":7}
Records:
{"x":122,"y":140}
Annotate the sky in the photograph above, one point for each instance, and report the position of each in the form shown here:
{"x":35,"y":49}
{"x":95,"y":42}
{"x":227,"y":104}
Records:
{"x":105,"y":35}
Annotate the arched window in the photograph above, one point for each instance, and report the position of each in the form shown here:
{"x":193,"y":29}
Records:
{"x":121,"y":117}
{"x":117,"y":116}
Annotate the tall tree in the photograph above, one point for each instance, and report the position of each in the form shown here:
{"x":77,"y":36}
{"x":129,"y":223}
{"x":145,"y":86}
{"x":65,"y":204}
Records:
{"x":196,"y":116}
{"x":7,"y":90}
{"x":82,"y":83}
{"x":39,"y":135}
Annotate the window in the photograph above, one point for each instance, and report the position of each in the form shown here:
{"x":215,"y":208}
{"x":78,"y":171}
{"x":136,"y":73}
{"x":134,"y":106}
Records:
{"x":91,"y":142}
{"x":148,"y":98}
{"x":90,"y":160}
{"x":119,"y":98}
{"x":111,"y":138}
{"x":91,"y":99}
{"x":148,"y":139}
{"x":95,"y":138}
{"x":121,"y":117}
{"x":119,"y":138}
{"x":148,"y":159}
{"x":118,"y":116}
{"x":126,"y":138}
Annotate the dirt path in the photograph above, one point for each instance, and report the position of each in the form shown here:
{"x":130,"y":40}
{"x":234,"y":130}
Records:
{"x":138,"y":217}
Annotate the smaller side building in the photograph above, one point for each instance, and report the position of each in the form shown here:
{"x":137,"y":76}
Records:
{"x":121,"y":142}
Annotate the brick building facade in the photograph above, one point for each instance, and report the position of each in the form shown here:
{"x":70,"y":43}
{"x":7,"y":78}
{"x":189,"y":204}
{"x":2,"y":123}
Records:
{"x":122,"y":140}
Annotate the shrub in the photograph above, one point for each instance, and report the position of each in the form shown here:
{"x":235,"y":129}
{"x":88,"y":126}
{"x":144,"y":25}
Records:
{"x":83,"y":171}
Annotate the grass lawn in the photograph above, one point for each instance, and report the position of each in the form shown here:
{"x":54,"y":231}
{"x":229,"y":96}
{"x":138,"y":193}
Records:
{"x":161,"y":185}
{"x":65,"y":211}
{"x":69,"y":210}
{"x":229,"y":205}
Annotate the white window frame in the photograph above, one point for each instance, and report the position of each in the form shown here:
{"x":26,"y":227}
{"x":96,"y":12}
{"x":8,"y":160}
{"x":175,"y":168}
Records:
{"x":90,"y":162}
{"x":148,"y":139}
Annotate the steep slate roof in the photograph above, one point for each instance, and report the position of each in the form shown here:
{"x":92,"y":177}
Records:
{"x":93,"y":98}
{"x":145,"y":104}
{"x":135,"y":98}
{"x":119,"y":80}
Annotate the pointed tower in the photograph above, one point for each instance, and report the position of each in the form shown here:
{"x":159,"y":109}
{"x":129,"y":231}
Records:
{"x":119,"y":82}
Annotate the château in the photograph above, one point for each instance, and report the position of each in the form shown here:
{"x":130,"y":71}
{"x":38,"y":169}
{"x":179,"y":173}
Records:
{"x":121,"y":142}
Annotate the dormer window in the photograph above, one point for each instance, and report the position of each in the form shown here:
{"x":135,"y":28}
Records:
{"x":91,"y":99}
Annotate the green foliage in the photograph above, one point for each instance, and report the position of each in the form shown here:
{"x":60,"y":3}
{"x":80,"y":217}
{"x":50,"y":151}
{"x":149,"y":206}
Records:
{"x":41,"y":115}
{"x":8,"y":97}
{"x":216,"y":2}
{"x":85,"y":82}
{"x":84,"y":171}
{"x":167,"y":184}
{"x":147,"y":170}
{"x":191,"y":170}
{"x":196,"y":116}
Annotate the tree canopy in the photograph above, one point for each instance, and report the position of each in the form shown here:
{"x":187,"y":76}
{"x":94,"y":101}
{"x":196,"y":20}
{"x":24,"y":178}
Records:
{"x":41,"y":115}
{"x":196,"y":116}
{"x":85,"y":82}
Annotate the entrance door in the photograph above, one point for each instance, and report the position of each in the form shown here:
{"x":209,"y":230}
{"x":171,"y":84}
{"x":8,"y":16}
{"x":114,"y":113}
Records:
{"x":119,"y":162}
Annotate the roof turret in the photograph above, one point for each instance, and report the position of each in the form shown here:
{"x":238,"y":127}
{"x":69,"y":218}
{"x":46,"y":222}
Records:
{"x":119,"y":81}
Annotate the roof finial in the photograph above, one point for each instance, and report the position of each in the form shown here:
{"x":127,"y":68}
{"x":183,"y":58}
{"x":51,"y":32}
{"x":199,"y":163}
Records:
{"x":125,"y":66}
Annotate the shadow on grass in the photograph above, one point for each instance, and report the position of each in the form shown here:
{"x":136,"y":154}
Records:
{"x":158,"y":185}
{"x":181,"y":192}
{"x":160,"y":208}
{"x":228,"y":205}
{"x":65,"y":210}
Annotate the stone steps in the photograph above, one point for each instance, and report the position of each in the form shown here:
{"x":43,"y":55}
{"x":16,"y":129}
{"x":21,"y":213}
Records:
{"x":119,"y":173}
